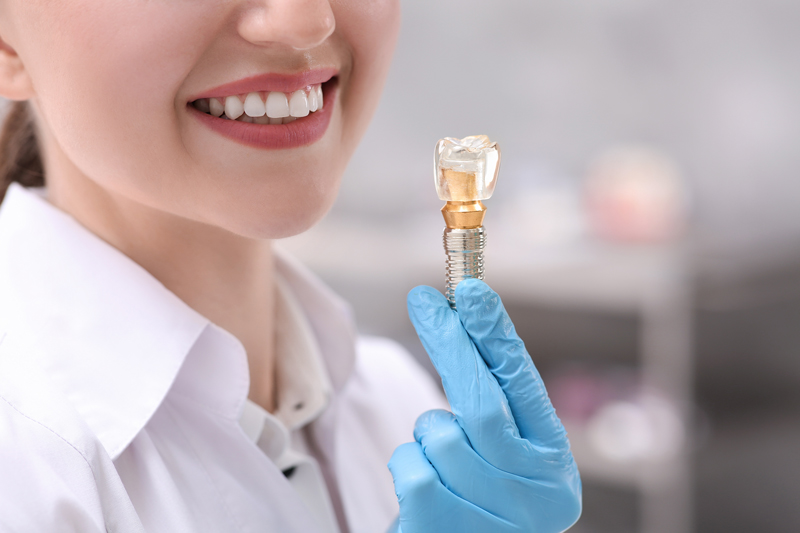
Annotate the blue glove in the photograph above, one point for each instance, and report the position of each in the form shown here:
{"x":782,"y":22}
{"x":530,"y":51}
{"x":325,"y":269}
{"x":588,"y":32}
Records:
{"x":500,"y":462}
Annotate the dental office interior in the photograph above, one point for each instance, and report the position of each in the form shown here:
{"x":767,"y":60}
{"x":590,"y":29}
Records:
{"x":644,"y":234}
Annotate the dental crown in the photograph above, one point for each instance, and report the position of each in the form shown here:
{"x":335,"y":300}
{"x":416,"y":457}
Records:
{"x":465,"y":172}
{"x":466,"y":169}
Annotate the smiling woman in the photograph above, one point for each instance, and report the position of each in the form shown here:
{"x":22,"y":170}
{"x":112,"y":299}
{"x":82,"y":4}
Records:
{"x":112,"y":84}
{"x":162,"y":366}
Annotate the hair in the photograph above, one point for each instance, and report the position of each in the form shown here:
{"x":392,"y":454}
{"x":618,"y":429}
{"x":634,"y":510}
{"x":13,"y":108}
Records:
{"x":20,"y":160}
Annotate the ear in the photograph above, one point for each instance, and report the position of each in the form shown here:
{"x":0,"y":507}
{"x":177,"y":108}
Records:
{"x":15,"y":84}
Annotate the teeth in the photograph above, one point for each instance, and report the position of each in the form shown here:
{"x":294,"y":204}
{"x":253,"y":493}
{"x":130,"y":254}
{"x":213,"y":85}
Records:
{"x":233,"y":107}
{"x":202,"y":105}
{"x":277,"y":105}
{"x":312,"y":99}
{"x":298,"y":104}
{"x":254,"y":106}
{"x":216,"y":107}
{"x":279,"y":108}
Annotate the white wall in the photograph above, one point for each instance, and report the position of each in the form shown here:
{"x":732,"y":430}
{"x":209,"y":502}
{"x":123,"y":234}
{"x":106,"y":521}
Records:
{"x":714,"y":83}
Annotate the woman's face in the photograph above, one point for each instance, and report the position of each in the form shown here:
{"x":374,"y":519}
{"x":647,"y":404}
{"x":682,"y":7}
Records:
{"x":123,"y":91}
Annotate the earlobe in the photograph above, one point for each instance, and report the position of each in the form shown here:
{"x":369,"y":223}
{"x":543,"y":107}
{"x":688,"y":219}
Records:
{"x":15,"y":84}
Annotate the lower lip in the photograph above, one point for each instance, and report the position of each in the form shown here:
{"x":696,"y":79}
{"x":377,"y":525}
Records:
{"x":302,"y":132}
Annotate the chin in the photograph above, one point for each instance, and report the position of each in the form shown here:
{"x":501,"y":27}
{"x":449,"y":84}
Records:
{"x":284,"y":202}
{"x":275,"y":220}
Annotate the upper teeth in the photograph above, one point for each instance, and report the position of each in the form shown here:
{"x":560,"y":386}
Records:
{"x":278,"y":106}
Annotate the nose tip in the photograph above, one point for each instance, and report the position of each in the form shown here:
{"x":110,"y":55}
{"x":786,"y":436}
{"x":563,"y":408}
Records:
{"x":300,"y":24}
{"x":316,"y":31}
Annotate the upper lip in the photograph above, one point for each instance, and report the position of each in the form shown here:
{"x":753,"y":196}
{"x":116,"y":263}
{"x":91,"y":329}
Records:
{"x":273,"y":81}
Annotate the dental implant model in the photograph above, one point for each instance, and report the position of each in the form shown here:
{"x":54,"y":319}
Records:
{"x":465,"y":172}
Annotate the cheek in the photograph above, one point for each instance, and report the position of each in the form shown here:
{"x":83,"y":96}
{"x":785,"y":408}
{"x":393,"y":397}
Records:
{"x":370,"y":29}
{"x":106,"y":74}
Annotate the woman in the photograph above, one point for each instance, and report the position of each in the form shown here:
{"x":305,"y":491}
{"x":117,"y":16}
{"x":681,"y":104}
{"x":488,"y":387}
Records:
{"x":162,"y":368}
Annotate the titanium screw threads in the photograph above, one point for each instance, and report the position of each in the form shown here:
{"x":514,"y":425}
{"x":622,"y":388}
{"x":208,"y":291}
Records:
{"x":464,"y":251}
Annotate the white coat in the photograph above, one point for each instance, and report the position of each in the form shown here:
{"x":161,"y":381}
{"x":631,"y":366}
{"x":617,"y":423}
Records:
{"x":120,"y":406}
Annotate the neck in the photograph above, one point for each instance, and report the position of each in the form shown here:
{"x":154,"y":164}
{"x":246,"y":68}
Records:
{"x":225,"y":277}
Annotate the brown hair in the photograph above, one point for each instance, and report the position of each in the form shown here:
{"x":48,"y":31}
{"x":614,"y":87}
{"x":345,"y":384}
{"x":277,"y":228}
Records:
{"x":20,"y":160}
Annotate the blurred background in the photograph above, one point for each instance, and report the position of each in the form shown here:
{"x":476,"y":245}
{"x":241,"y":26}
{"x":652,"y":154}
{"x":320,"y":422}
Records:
{"x":644,"y":234}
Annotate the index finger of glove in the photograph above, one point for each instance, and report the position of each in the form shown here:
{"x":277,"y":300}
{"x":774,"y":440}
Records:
{"x":476,"y":399}
{"x":488,"y":325}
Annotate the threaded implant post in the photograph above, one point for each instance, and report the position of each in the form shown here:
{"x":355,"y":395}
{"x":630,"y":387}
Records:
{"x":464,"y":250}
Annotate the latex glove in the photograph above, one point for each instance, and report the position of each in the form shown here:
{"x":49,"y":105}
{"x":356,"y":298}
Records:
{"x":500,"y":462}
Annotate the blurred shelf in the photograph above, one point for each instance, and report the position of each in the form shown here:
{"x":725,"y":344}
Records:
{"x":582,"y":274}
{"x":610,"y":277}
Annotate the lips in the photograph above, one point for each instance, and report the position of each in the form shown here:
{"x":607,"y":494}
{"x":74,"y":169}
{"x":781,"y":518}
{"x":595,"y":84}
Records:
{"x":271,"y":111}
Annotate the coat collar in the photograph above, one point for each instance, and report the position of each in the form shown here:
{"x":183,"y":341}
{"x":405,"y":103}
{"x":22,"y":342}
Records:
{"x":112,"y":338}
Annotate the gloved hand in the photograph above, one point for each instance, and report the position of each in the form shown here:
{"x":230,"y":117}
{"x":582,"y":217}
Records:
{"x":501,"y":461}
